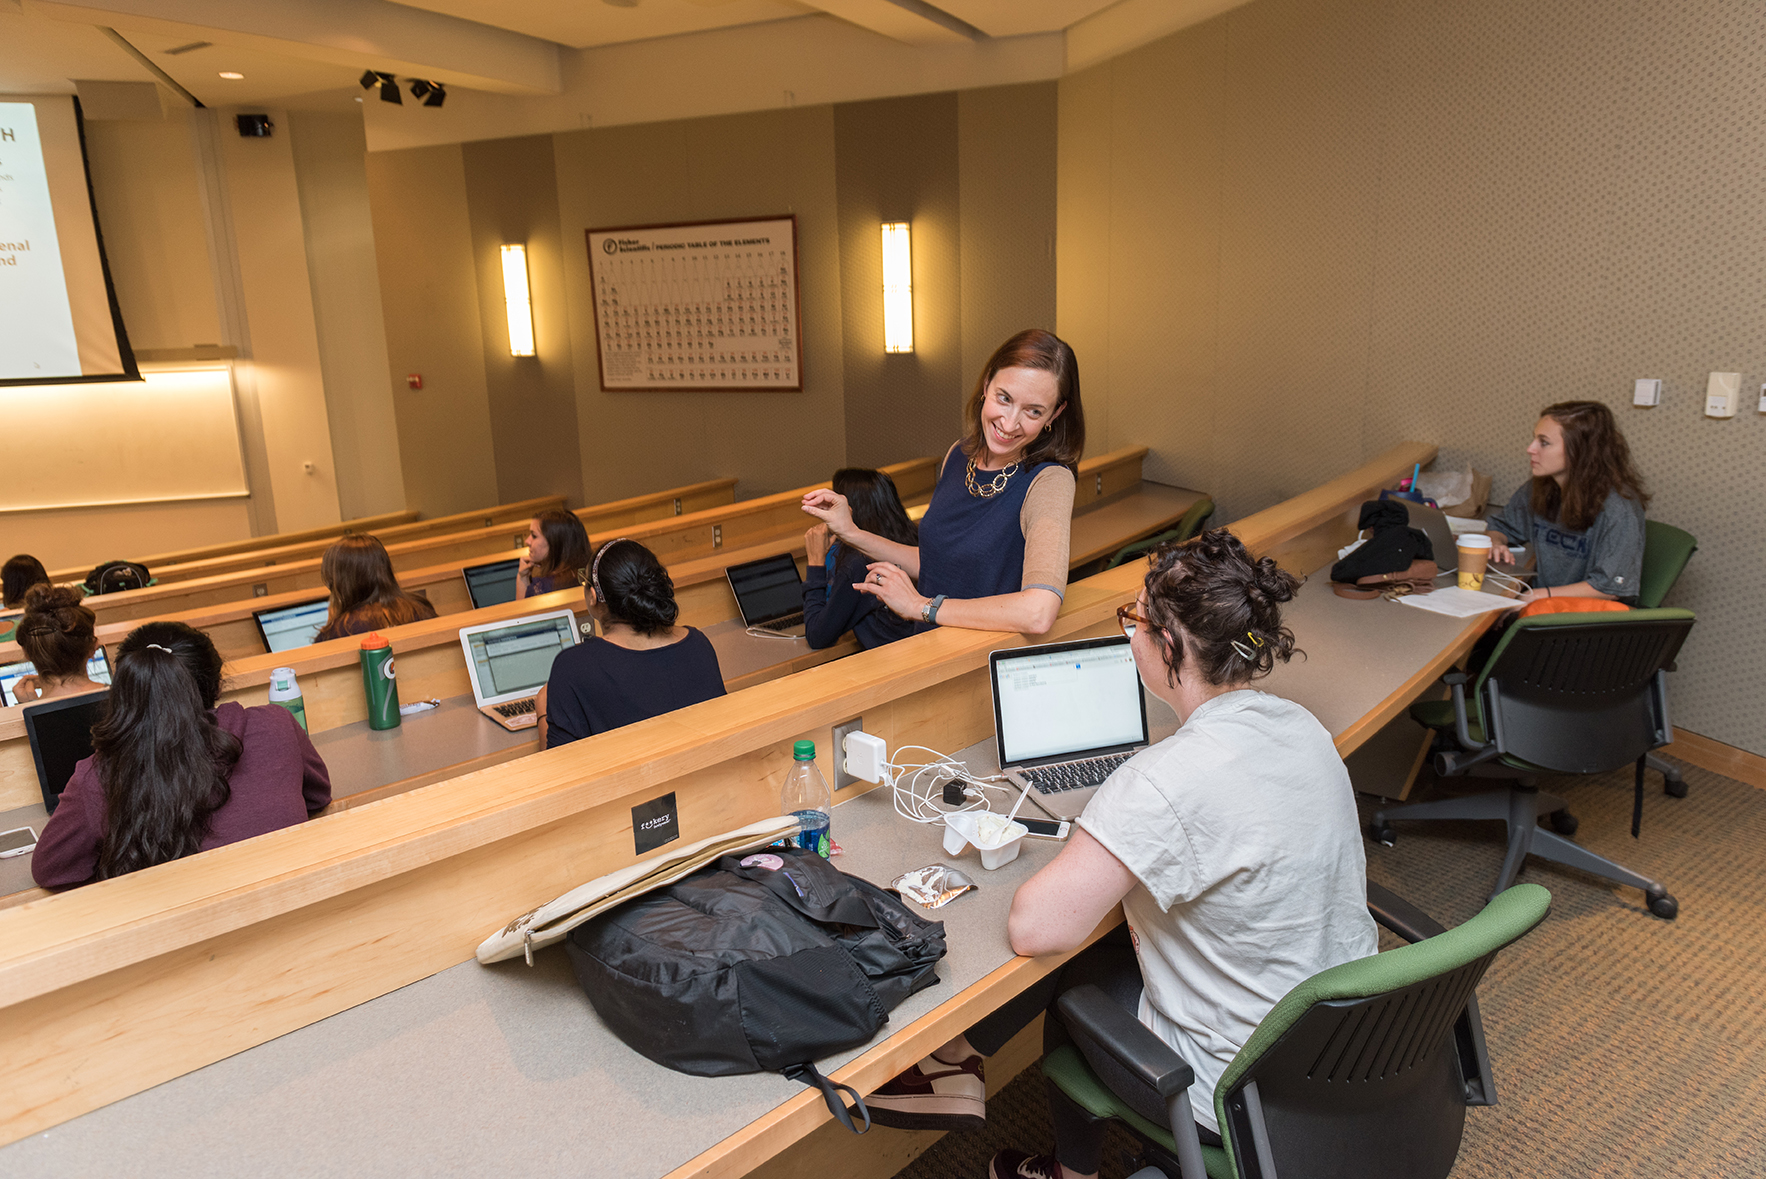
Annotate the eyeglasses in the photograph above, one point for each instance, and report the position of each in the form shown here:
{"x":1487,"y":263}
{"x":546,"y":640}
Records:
{"x":1128,"y":619}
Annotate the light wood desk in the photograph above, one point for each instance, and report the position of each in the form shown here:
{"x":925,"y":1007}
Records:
{"x":503,"y":1047}
{"x":108,"y":990}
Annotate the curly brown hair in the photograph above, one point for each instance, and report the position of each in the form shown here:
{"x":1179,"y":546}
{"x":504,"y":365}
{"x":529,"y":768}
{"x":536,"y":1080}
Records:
{"x":57,"y":631}
{"x":1598,"y":461}
{"x":1209,"y":591}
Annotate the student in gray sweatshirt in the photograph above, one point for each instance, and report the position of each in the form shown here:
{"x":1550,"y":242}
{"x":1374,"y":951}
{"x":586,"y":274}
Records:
{"x":1582,"y":512}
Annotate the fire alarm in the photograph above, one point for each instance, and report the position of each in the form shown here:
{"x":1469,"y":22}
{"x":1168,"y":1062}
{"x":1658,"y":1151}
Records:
{"x":414,"y":381}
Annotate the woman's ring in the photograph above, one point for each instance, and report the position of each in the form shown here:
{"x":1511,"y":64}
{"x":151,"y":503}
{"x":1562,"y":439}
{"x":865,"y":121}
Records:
{"x":877,"y":577}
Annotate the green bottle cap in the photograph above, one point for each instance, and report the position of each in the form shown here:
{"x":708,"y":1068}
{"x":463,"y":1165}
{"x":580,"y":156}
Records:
{"x":804,"y":751}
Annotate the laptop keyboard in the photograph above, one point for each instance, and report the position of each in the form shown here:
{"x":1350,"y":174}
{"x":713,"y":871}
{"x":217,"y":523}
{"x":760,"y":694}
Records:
{"x":1075,"y":775}
{"x":515,"y":708}
{"x":782,"y":624}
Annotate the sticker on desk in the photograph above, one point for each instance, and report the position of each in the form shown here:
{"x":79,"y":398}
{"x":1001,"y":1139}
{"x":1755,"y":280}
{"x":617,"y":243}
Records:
{"x":655,"y":823}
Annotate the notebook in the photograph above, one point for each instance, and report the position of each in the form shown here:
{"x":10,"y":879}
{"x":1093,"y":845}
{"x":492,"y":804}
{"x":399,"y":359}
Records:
{"x":491,"y":584}
{"x":60,"y":732}
{"x":97,"y":670}
{"x":1065,"y":716}
{"x":769,"y":593}
{"x":509,"y":662}
{"x":288,"y":627}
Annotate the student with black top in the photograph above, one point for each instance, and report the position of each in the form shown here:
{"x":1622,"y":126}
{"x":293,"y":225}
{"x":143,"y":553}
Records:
{"x":57,"y":635}
{"x":643,"y":665}
{"x":17,"y":577}
{"x":831,"y":606}
{"x":557,"y":554}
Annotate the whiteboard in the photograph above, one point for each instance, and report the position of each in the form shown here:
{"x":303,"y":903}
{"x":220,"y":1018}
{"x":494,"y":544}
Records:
{"x":171,"y":436}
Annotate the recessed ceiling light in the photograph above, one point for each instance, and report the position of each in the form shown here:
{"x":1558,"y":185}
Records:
{"x":233,"y":75}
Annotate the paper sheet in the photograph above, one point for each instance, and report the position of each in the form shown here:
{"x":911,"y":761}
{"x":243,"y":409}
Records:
{"x":1457,"y":603}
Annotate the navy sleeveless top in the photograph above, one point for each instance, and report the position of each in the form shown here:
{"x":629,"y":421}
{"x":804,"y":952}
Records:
{"x":972,"y":547}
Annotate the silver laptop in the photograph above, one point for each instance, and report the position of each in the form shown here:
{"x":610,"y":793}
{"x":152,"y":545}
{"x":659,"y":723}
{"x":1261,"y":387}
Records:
{"x":509,"y":663}
{"x":97,"y":670}
{"x":769,"y":593}
{"x":1065,"y":716}
{"x":288,"y":627}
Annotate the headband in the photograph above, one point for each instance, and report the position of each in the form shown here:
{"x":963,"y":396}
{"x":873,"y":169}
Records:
{"x":595,"y":568}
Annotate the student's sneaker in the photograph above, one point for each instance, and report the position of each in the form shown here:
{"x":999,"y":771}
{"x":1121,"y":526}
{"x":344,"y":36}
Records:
{"x":933,"y":1095}
{"x":1019,"y":1164}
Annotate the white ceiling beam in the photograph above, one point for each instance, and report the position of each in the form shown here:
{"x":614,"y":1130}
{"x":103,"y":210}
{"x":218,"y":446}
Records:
{"x":1130,"y":24}
{"x":894,"y":21}
{"x":365,"y":34}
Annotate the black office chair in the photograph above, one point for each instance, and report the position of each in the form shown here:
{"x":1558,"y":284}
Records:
{"x":1364,"y":1070}
{"x":1561,"y":694}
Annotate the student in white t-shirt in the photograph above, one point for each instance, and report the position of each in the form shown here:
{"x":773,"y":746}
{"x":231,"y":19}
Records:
{"x":1233,"y":847}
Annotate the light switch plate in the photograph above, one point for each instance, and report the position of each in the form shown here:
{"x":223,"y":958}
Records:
{"x":1647,"y":391}
{"x":1722,"y":393}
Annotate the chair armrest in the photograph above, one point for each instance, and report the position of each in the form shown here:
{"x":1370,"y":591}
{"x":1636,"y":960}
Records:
{"x":1090,"y":1013}
{"x":1399,"y":915}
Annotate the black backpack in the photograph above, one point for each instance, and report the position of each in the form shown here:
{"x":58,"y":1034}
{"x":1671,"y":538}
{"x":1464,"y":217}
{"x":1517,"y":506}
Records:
{"x":113,"y":576}
{"x":762,"y":962}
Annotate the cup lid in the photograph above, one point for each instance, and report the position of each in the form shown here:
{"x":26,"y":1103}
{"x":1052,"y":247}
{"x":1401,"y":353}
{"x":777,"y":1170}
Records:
{"x":1473,"y":540}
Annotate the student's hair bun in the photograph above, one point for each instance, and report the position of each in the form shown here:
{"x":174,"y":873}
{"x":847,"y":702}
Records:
{"x":1228,"y":605}
{"x":635,"y":588}
{"x":57,"y":631}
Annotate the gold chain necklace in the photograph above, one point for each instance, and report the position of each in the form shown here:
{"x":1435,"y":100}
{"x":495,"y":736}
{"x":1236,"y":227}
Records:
{"x":991,"y":488}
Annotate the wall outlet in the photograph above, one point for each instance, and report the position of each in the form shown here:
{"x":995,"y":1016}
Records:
{"x":1763,"y":398}
{"x":842,"y":776}
{"x":1647,"y":391}
{"x":863,"y":756}
{"x":1722,"y":394}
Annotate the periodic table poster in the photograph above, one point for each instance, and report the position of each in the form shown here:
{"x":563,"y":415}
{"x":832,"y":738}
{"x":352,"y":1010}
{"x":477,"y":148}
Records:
{"x":703,"y":305}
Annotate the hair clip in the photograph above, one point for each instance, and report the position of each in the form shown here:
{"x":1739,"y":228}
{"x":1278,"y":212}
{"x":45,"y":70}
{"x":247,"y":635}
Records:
{"x":157,"y":647}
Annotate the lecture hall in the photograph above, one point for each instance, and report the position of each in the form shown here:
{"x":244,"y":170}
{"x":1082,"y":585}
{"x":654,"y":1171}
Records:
{"x":686,"y":589}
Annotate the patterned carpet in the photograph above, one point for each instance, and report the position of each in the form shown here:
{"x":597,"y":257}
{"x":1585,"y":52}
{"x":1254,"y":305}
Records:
{"x":1623,"y":1045}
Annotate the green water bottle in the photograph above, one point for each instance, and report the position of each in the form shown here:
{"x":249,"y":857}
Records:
{"x":380,"y":683}
{"x":286,"y":692}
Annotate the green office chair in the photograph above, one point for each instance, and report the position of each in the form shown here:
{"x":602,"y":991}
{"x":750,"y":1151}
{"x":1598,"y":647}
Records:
{"x":1560,"y":694}
{"x":1192,"y":523}
{"x":1363,"y":1070}
{"x":1666,"y":550}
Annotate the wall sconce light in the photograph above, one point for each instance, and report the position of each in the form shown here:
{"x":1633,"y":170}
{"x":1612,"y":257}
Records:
{"x":898,"y":288}
{"x":516,"y":302}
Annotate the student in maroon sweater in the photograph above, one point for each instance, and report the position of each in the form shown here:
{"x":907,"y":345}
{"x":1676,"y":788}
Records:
{"x":171,"y":774}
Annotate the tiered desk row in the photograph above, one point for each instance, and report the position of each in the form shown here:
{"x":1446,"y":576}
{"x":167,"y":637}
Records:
{"x":119,"y":986}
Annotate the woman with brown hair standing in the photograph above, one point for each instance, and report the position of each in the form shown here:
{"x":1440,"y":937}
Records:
{"x":993,"y":546}
{"x":365,"y":594}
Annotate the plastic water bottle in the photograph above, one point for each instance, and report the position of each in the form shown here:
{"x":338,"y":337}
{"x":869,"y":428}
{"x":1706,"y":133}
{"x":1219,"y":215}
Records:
{"x":806,"y":798}
{"x":284,"y":690}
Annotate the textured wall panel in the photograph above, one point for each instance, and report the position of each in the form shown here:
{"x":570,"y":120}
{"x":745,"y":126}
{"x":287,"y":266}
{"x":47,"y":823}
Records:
{"x":1433,"y":219}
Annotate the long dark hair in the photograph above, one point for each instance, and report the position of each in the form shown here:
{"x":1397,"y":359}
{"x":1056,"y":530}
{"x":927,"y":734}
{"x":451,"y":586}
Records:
{"x":567,"y":544}
{"x":876,"y":505}
{"x":17,"y":576}
{"x":57,"y":631}
{"x":1064,"y":441}
{"x":634,"y":587}
{"x":1228,"y":604}
{"x":358,"y":572}
{"x":1598,"y":462}
{"x":162,"y":760}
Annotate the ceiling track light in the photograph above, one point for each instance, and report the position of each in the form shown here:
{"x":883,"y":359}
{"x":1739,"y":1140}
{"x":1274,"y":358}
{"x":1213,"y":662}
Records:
{"x":430,"y":92}
{"x":389,"y":85}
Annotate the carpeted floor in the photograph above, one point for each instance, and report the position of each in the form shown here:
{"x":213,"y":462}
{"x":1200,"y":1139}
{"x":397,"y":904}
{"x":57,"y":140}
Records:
{"x":1623,"y":1045}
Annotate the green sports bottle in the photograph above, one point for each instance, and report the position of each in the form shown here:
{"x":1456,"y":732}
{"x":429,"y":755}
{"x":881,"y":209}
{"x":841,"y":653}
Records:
{"x":380,"y":683}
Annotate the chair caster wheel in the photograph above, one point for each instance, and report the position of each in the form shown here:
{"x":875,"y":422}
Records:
{"x":1664,"y":906}
{"x":1564,"y":823}
{"x":1382,"y":833}
{"x":1674,"y":787}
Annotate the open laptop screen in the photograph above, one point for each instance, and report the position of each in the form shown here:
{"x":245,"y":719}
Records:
{"x":517,"y":657}
{"x":766,"y":589}
{"x":1066,"y":699}
{"x":288,"y":627}
{"x":97,"y":670}
{"x":60,"y":732}
{"x":491,"y":584}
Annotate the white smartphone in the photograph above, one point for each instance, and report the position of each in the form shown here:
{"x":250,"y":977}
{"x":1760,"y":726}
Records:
{"x":17,"y":842}
{"x":1047,"y":828}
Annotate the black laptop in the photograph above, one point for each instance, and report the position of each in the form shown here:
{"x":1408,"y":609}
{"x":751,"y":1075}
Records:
{"x":288,"y":627}
{"x":769,"y":593}
{"x":61,"y":737}
{"x":491,"y":584}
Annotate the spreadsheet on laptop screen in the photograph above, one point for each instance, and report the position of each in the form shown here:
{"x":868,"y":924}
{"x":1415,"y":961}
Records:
{"x":97,"y":670}
{"x":293,"y":626}
{"x":518,"y":658}
{"x":1061,"y":702}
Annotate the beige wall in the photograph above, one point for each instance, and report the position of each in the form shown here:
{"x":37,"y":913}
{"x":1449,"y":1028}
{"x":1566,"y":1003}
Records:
{"x":429,"y":297}
{"x":1303,"y":230}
